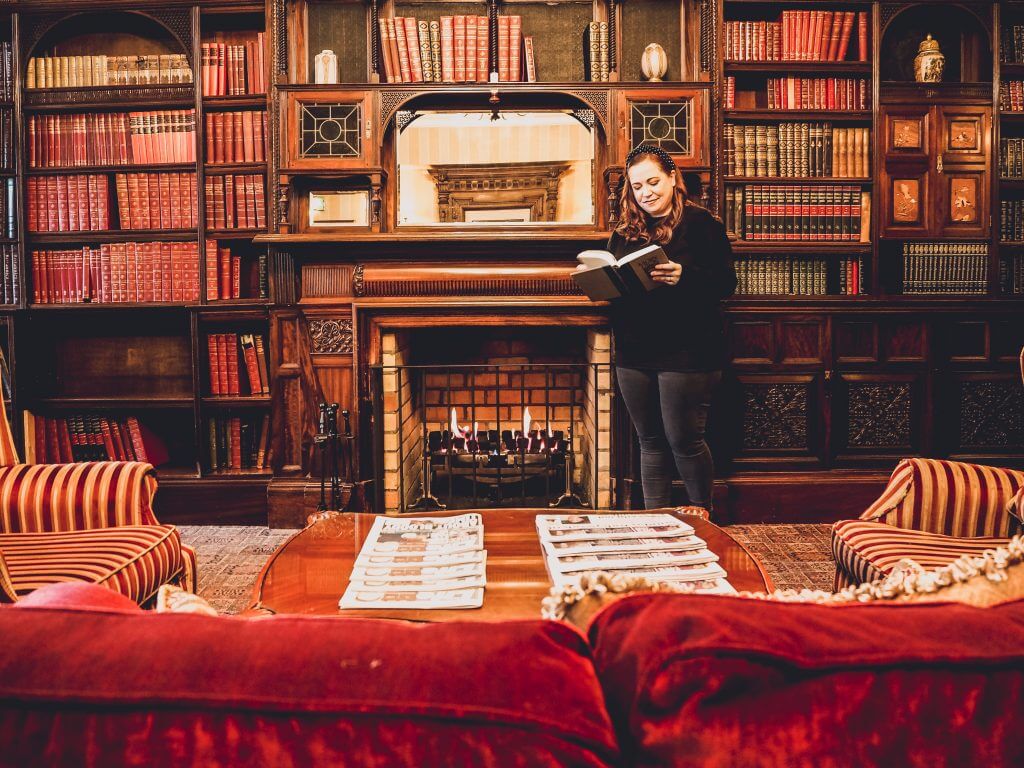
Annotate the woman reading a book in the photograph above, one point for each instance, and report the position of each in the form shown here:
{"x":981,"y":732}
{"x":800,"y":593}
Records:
{"x":669,"y":345}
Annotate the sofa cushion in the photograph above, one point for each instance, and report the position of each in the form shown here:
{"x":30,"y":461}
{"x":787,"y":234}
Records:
{"x":867,"y":551}
{"x":131,"y":560}
{"x":282,"y":690}
{"x":696,"y":680}
{"x":80,"y":596}
{"x":7,"y":592}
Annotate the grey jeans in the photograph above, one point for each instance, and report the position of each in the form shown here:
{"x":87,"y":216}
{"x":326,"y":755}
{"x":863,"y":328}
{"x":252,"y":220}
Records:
{"x":669,"y":410}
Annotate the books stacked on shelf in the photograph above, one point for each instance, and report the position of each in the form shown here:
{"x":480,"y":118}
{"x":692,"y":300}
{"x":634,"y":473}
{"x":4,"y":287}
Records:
{"x":102,"y":70}
{"x":595,"y":52}
{"x":729,"y":92}
{"x":233,"y":69}
{"x":1011,"y":96}
{"x":781,"y":275}
{"x":231,"y":353}
{"x":112,"y":138}
{"x":1011,"y":276}
{"x":156,"y":200}
{"x":831,"y":93}
{"x":8,"y":209}
{"x":660,"y":548}
{"x":68,"y":203}
{"x":89,"y":437}
{"x":785,"y":212}
{"x":6,"y":138}
{"x":6,"y":71}
{"x":236,"y":137}
{"x":1011,"y":44}
{"x":796,"y":150}
{"x":453,"y":49}
{"x":10,"y":274}
{"x":238,"y":442}
{"x":420,"y":563}
{"x":1011,"y":220}
{"x":945,"y":268}
{"x":1011,"y":158}
{"x":236,"y":201}
{"x":798,"y":36}
{"x":851,"y":277}
{"x":117,"y":273}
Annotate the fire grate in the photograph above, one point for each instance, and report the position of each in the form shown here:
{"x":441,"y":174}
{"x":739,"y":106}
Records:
{"x":489,"y":435}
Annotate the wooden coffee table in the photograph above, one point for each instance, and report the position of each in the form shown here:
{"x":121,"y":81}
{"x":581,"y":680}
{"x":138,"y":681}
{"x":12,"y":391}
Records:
{"x":309,"y":572}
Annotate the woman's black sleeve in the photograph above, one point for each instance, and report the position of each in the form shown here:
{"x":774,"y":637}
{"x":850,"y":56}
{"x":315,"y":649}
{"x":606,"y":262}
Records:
{"x":711,"y":273}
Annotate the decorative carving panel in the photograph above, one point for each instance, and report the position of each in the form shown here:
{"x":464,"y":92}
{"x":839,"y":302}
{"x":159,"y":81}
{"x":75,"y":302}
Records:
{"x":775,"y":416}
{"x":330,"y":335}
{"x":879,"y":415}
{"x":991,"y":414}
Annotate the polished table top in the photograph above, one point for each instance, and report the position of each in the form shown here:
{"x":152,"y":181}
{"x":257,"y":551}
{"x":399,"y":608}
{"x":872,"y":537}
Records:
{"x":309,"y":572}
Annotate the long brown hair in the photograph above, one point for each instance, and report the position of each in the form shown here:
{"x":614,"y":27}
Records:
{"x":634,"y":223}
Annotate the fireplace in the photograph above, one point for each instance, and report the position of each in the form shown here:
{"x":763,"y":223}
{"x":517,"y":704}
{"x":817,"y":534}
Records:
{"x":488,"y":417}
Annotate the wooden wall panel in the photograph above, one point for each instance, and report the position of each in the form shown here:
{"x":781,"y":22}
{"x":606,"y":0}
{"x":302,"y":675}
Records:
{"x":856,"y":341}
{"x":801,"y":341}
{"x":903,"y":340}
{"x":752,"y":341}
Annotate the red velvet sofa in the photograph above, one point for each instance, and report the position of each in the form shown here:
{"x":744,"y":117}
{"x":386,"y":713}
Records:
{"x":87,"y":679}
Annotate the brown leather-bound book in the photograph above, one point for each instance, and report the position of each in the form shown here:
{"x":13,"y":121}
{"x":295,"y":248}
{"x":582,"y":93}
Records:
{"x":238,"y":137}
{"x":385,"y":49}
{"x":844,"y":35}
{"x":231,"y":343}
{"x":262,"y":364}
{"x":263,"y":451}
{"x":862,"y":35}
{"x":403,"y":50}
{"x":833,"y":36}
{"x":252,"y":370}
{"x":259,"y":136}
{"x":212,"y":355}
{"x":824,"y":35}
{"x":211,"y":156}
{"x":261,"y":203}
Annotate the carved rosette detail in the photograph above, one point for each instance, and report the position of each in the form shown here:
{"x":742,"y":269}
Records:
{"x":775,"y":416}
{"x":991,"y":414}
{"x":330,"y":335}
{"x":879,"y":415}
{"x":357,"y":280}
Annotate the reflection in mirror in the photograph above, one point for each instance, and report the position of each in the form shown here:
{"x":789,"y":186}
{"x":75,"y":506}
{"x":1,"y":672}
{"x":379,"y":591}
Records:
{"x":333,"y":208}
{"x":469,"y":169}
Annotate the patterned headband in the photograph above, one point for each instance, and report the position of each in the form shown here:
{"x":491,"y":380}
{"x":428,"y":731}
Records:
{"x":650,"y":149}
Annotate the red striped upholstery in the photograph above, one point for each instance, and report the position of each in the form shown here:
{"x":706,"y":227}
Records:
{"x":7,"y":593}
{"x":8,"y":452}
{"x":132,"y":560}
{"x":948,"y":497}
{"x":71,"y":497}
{"x":867,"y":551}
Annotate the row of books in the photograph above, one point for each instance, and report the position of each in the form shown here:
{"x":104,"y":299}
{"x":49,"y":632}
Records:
{"x":798,"y":36}
{"x":596,"y":64}
{"x":238,"y":442}
{"x":68,"y":203}
{"x":10,"y":274}
{"x":236,"y":137}
{"x":839,"y":93}
{"x":112,"y":138}
{"x":156,"y":200}
{"x":833,"y":213}
{"x":796,"y":150}
{"x":1011,"y":44}
{"x":6,"y":138}
{"x":1011,"y":96}
{"x":1011,"y":220}
{"x":233,"y":69}
{"x":1012,"y":274}
{"x":236,"y":201}
{"x":88,"y":437}
{"x":420,"y":563}
{"x":945,"y":268}
{"x":8,"y":209}
{"x":1011,"y":158}
{"x":6,"y":71}
{"x":659,"y":548}
{"x":224,"y":350}
{"x":117,"y":273}
{"x":781,"y":275}
{"x":223,"y":274}
{"x":102,"y":70}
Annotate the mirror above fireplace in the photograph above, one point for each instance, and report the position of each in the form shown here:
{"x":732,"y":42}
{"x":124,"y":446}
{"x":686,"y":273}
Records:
{"x":495,"y":168}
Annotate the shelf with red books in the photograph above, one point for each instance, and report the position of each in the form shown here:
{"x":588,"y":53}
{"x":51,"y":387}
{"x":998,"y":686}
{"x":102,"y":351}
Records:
{"x":124,"y":168}
{"x":845,"y":116}
{"x":837,"y":67}
{"x":213,"y":169}
{"x":813,"y":180}
{"x":87,"y":100}
{"x":251,"y":401}
{"x":111,"y":236}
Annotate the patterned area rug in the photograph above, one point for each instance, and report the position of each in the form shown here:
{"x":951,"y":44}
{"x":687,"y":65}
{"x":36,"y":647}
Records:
{"x":231,"y":556}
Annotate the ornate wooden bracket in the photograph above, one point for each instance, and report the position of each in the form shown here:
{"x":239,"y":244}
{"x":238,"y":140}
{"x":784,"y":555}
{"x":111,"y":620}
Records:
{"x":284,"y":191}
{"x":612,"y":182}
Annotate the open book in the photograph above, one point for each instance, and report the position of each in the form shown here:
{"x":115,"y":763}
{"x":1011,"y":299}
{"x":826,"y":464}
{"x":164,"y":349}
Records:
{"x":603,"y":277}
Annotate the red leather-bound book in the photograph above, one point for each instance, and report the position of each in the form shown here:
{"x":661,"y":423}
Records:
{"x":459,"y":45}
{"x":237,"y":137}
{"x":504,"y":37}
{"x":385,"y":50}
{"x":862,"y":35}
{"x":404,"y":64}
{"x":231,"y":340}
{"x":224,"y":273}
{"x":248,"y":137}
{"x":135,"y":433}
{"x":230,"y":201}
{"x":212,"y":274}
{"x":261,"y":203}
{"x":259,"y":129}
{"x":448,"y":49}
{"x":236,"y":275}
{"x":213,"y":355}
{"x":844,"y":35}
{"x":262,"y":364}
{"x":472,"y":57}
{"x":235,"y":443}
{"x":483,"y":47}
{"x":252,"y":370}
{"x":515,"y":47}
{"x":412,"y":45}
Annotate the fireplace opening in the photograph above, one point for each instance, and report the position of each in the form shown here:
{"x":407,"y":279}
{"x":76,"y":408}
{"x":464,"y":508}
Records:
{"x":479,"y":417}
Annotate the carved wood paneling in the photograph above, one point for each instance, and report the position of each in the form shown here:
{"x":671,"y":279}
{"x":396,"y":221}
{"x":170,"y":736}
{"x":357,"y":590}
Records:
{"x":991,"y":414}
{"x":775,"y":416}
{"x":967,"y":340}
{"x":903,"y":340}
{"x":330,"y":335}
{"x":879,"y":415}
{"x":801,"y":341}
{"x":752,"y":341}
{"x":856,"y":341}
{"x":321,"y":281}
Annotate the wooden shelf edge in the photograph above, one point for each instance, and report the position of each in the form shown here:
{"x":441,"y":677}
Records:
{"x":127,"y":168}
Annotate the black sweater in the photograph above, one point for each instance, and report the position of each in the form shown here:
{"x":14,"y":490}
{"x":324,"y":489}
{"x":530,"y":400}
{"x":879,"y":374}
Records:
{"x":678,"y":327}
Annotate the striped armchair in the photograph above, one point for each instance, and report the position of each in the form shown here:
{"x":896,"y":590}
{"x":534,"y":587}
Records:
{"x":932,"y":511}
{"x":90,"y":521}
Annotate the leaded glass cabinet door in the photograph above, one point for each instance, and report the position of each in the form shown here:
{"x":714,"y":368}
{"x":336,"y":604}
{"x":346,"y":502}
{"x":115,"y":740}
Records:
{"x":328,"y":129}
{"x":676,"y":120}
